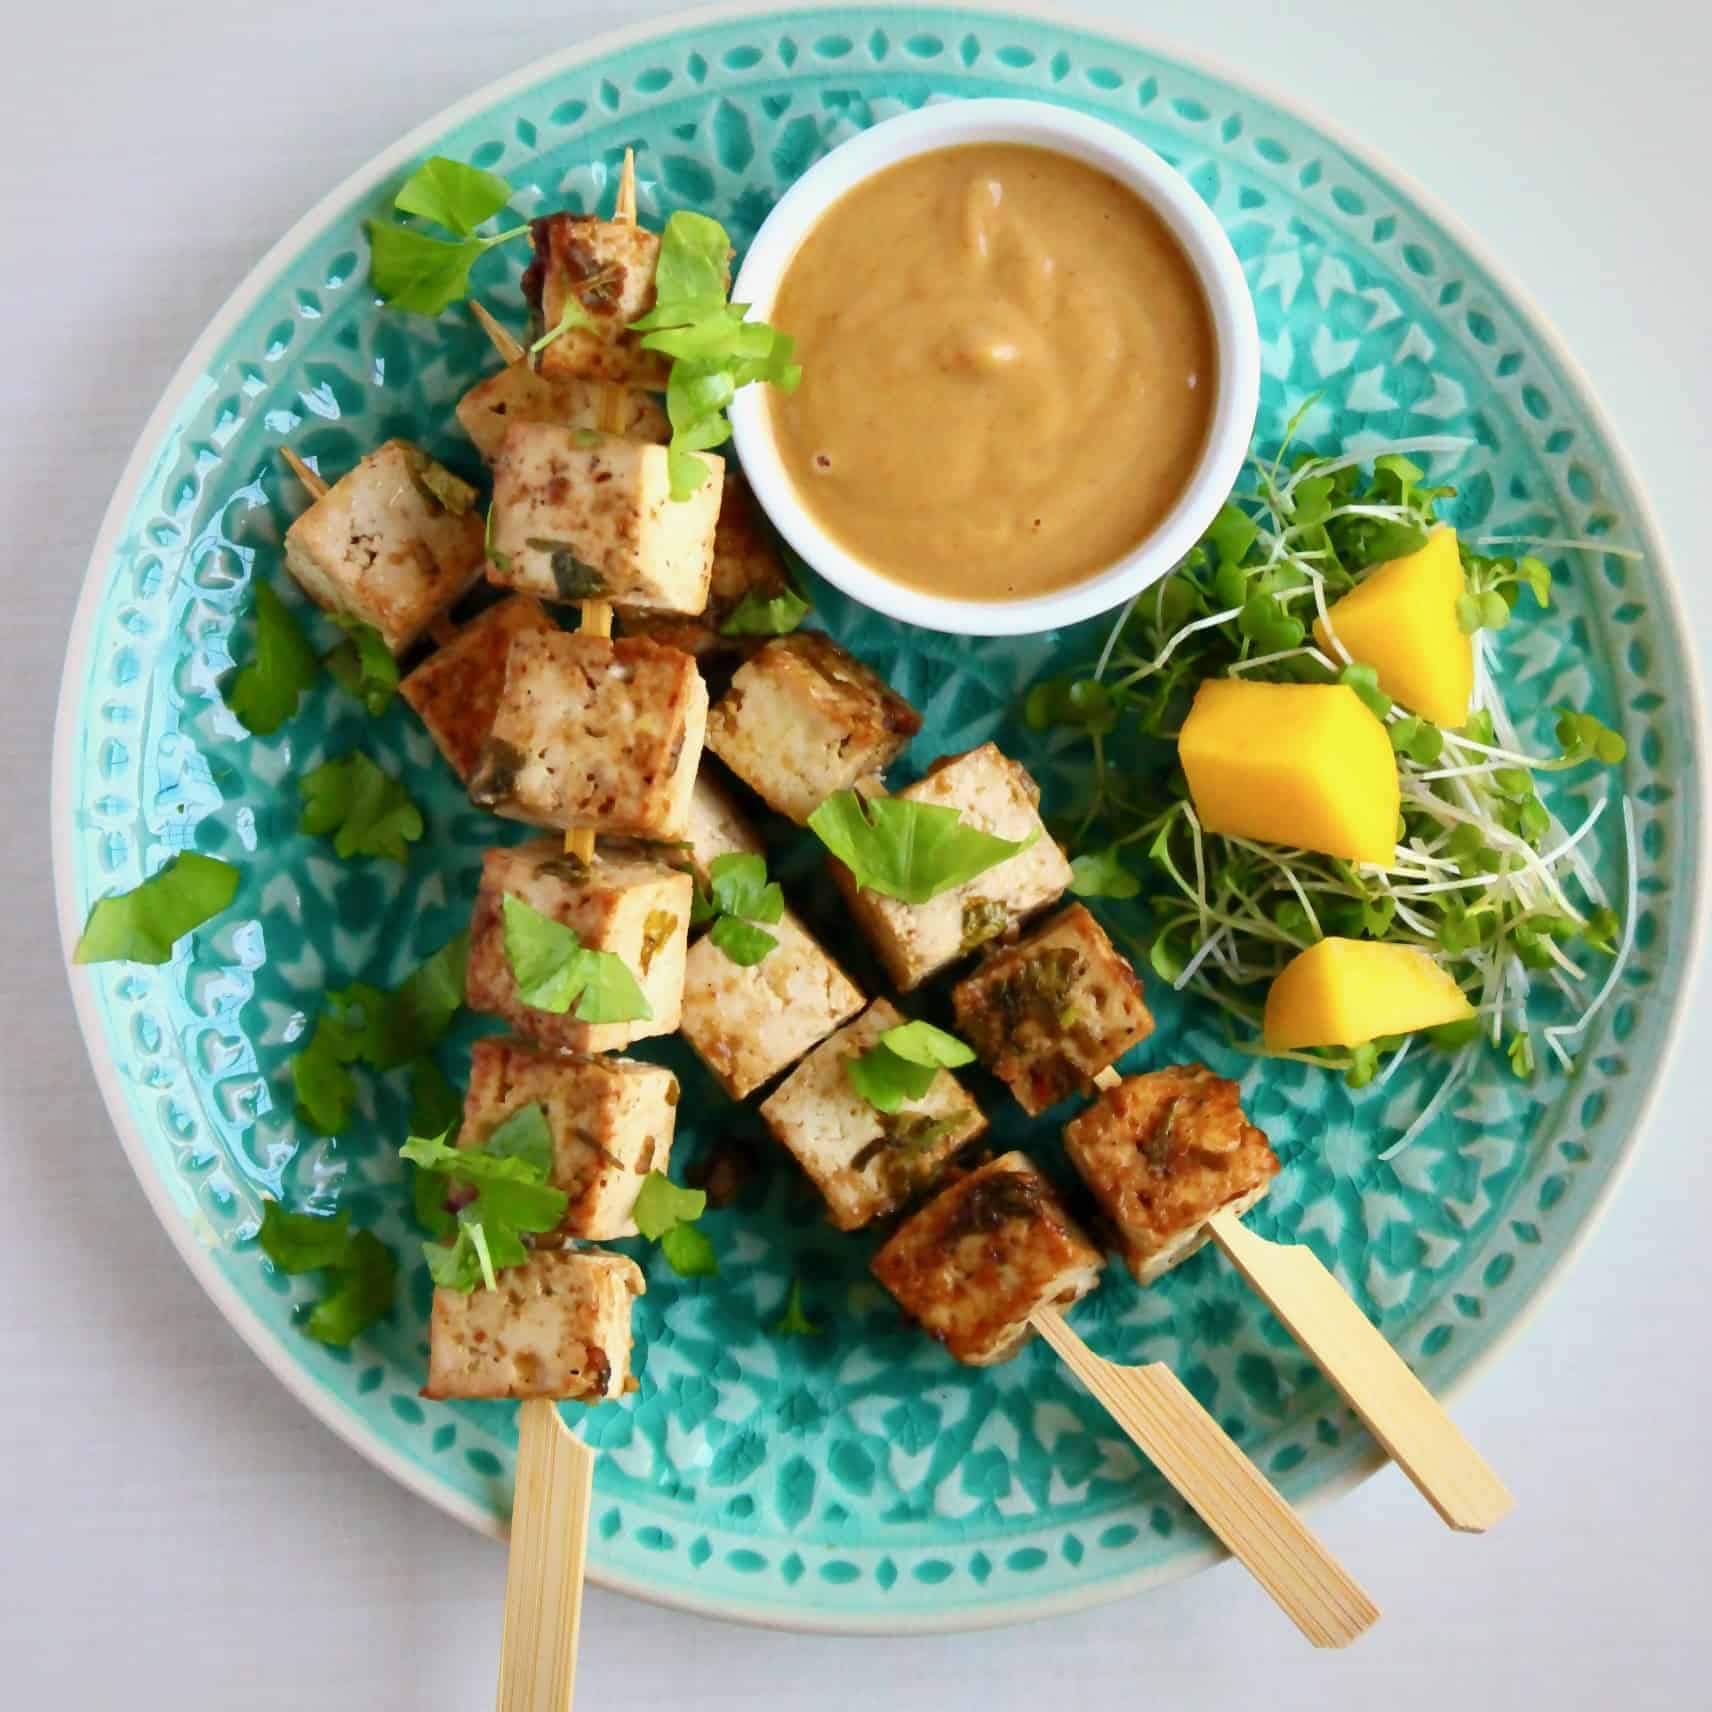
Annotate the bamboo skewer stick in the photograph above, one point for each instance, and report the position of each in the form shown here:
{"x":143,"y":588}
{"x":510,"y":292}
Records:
{"x":316,"y":484}
{"x":510,"y":350}
{"x":544,"y":1578}
{"x":1412,"y":1427}
{"x":1227,"y":1491}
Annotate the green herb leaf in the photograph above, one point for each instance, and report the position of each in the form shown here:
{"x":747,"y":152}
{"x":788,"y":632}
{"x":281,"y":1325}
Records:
{"x":1521,"y":1056}
{"x":554,"y":970}
{"x":794,"y":1321}
{"x":361,"y":1264}
{"x":304,"y":1242}
{"x":362,"y":1296}
{"x":264,"y":691}
{"x":758,"y":614}
{"x":1363,"y":1065}
{"x":366,"y":810}
{"x":1231,"y":534}
{"x":1535,"y":575}
{"x":1364,"y":680}
{"x":661,"y":1204}
{"x":1585,"y":738}
{"x":414,"y":272}
{"x":452,"y":195}
{"x":326,"y":1090}
{"x":907,"y":850}
{"x":143,"y":924}
{"x":1101,"y":874}
{"x":363,"y":665}
{"x":1601,"y":930}
{"x":902,"y":1063}
{"x":689,"y":1252}
{"x":714,"y":349}
{"x":666,"y":1213}
{"x":524,"y":1135}
{"x":574,"y":315}
{"x":743,"y":942}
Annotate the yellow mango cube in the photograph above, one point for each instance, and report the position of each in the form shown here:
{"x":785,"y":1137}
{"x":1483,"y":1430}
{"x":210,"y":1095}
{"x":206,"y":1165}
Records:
{"x":1401,"y":620}
{"x":1342,"y":992}
{"x":1308,"y":765}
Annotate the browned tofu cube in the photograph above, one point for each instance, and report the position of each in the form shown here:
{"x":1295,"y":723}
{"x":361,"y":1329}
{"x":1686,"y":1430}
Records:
{"x":717,"y":827}
{"x":749,"y":1023}
{"x":556,"y":1326}
{"x":456,"y":690}
{"x":1050,"y":1011}
{"x":518,"y":394}
{"x":611,"y":1121}
{"x":394,"y":544}
{"x":804,"y":719}
{"x":581,"y":516}
{"x":595,"y":732}
{"x":745,"y":562}
{"x":626,"y":903}
{"x":1163,"y":1153}
{"x":997,"y":795}
{"x":867,"y":1162}
{"x":983,"y":1256}
{"x":607,"y":269}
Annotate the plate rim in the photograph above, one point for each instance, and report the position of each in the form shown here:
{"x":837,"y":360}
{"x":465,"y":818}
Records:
{"x":181,"y":1231}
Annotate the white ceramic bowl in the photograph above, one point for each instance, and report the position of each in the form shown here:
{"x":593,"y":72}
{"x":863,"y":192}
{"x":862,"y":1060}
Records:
{"x":947,"y":125}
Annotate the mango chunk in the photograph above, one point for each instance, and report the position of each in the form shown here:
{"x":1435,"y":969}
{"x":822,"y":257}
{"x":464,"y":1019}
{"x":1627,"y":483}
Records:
{"x":1307,"y":765}
{"x":1401,"y":620}
{"x":1342,"y":992}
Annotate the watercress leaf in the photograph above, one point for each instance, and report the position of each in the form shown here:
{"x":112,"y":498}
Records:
{"x":1363,"y":1065}
{"x":454,"y":1265}
{"x":265,"y":689}
{"x":1231,"y":534}
{"x":1451,"y":1036}
{"x":428,"y":1204}
{"x":1601,"y":929}
{"x":143,"y":924}
{"x":908,"y":850}
{"x":689,"y":1252}
{"x":1494,"y":610}
{"x":921,"y":1043}
{"x":303,"y":1242}
{"x":662,"y":1204}
{"x":738,"y":884}
{"x":758,"y":614}
{"x":1535,"y":575}
{"x":886,"y":1080}
{"x":742,"y":941}
{"x":794,"y":1321}
{"x":422,"y":275}
{"x":1521,"y":1056}
{"x":326,"y":1091}
{"x":1101,"y":874}
{"x":362,"y":1295}
{"x":543,"y":957}
{"x":367,"y":811}
{"x":422,"y":1008}
{"x":452,"y":195}
{"x":1467,"y":613}
{"x":1364,"y":680}
{"x":608,"y":992}
{"x":363,"y":665}
{"x":695,"y":253}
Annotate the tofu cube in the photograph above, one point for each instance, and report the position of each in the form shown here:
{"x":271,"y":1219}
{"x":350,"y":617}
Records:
{"x":867,"y":1162}
{"x":717,"y":827}
{"x":595,"y":732}
{"x":611,"y":1120}
{"x":394,"y":543}
{"x":803,"y":719}
{"x":582,"y":516}
{"x":556,"y":1326}
{"x":997,"y":795}
{"x":1163,"y":1153}
{"x":983,"y":1256}
{"x":745,"y":562}
{"x":456,"y":690}
{"x":626,"y":903}
{"x":607,"y":269}
{"x":1050,"y":1011}
{"x":518,"y":394}
{"x":748,"y":1024}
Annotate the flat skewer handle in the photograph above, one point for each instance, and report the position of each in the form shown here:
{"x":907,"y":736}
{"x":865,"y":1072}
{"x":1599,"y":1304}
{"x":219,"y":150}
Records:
{"x":544,"y":1578}
{"x":1401,"y":1413}
{"x":1225,"y":1489}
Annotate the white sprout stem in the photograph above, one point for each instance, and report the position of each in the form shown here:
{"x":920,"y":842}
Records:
{"x":1560,"y":544}
{"x":1431,"y":1109}
{"x":1395,"y":448}
{"x":1191,"y":968}
{"x":1632,"y":906}
{"x":1397,"y":1058}
{"x":1116,"y":631}
{"x":1238,"y":667}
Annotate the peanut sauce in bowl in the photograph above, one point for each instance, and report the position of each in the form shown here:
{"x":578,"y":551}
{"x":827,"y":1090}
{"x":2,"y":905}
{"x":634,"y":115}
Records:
{"x":962,"y":399}
{"x":1030,"y":367}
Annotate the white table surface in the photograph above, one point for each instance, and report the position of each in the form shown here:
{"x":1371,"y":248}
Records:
{"x":175,"y":1530}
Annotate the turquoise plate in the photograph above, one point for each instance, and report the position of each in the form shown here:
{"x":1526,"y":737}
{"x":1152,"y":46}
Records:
{"x":856,"y":1480}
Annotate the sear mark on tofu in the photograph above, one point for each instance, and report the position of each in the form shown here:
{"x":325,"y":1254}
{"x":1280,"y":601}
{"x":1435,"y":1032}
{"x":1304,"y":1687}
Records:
{"x":496,"y":772}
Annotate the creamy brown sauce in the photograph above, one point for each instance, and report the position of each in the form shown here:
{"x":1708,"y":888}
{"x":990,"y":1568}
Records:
{"x":1008,"y":371}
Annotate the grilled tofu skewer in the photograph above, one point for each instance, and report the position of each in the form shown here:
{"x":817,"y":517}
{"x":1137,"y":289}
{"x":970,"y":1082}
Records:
{"x":1162,"y":1220}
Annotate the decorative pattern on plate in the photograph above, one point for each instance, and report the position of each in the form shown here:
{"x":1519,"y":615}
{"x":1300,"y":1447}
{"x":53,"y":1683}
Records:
{"x":857,"y":1479}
